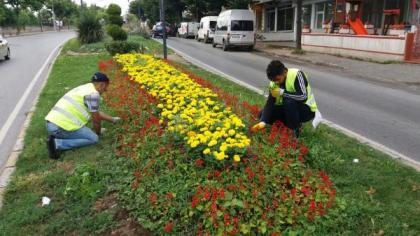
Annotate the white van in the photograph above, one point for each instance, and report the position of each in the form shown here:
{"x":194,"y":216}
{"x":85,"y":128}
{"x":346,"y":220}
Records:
{"x":207,"y":28}
{"x":235,"y":28}
{"x":188,"y":29}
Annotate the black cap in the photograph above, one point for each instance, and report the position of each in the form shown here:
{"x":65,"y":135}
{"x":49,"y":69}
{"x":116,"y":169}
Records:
{"x":100,"y":77}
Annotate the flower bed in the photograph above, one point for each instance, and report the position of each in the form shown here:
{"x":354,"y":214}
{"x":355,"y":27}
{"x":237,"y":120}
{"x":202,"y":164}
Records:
{"x":189,"y":109}
{"x":175,"y":186}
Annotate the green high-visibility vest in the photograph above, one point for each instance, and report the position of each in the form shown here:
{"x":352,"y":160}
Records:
{"x":290,"y":87}
{"x":70,"y":112}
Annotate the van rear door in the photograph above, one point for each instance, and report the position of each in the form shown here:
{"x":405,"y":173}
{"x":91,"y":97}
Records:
{"x":242,"y":31}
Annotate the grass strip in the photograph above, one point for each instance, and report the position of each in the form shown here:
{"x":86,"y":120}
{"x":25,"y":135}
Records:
{"x":381,"y":195}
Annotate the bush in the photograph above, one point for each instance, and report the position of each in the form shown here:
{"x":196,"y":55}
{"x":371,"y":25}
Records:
{"x":113,"y":10}
{"x":121,"y":47}
{"x":116,"y":32}
{"x":89,"y":28}
{"x":115,"y":20}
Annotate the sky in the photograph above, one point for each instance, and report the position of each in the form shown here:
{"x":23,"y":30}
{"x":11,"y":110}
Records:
{"x":103,"y":3}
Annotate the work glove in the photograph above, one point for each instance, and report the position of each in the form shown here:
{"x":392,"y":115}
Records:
{"x":115,"y":119}
{"x":277,"y":92}
{"x":258,"y":126}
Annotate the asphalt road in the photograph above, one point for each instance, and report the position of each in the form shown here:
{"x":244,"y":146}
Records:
{"x":386,"y":115}
{"x":20,"y":81}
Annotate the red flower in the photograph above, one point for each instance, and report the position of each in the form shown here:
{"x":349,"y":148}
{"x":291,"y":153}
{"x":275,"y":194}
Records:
{"x":222,"y":193}
{"x":293,"y":192}
{"x":194,"y":201}
{"x":153,"y":198}
{"x":199,"y":162}
{"x":137,"y":174}
{"x":312,"y":206}
{"x":169,"y":227}
{"x":226,"y":218}
{"x":169,"y":196}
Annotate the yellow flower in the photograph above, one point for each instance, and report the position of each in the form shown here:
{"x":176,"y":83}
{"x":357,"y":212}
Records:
{"x":231,"y":132}
{"x":206,"y":151}
{"x":212,"y":143}
{"x":236,"y":158}
{"x":219,"y":155}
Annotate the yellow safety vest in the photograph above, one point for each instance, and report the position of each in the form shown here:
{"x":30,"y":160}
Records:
{"x":290,"y":87}
{"x":70,"y":112}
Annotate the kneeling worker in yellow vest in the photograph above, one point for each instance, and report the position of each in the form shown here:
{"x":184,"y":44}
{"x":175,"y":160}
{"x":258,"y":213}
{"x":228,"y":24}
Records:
{"x":66,"y":122}
{"x":290,"y":100}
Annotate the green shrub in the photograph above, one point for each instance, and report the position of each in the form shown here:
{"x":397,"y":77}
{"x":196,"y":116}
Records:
{"x":113,"y":9}
{"x":116,"y":32}
{"x":89,"y":28}
{"x":122,"y":47}
{"x":86,"y":181}
{"x":115,"y":20}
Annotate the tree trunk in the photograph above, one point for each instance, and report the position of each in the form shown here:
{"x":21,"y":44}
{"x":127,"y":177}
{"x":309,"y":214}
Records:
{"x":299,"y":25}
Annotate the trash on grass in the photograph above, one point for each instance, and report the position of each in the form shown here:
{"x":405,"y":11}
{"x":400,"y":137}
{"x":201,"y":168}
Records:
{"x":46,"y":201}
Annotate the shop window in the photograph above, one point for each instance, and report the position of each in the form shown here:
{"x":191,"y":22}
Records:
{"x":306,"y":15}
{"x":323,"y":13}
{"x":285,"y":18}
{"x":271,"y":18}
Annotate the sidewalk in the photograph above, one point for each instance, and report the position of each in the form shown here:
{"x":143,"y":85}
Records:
{"x":403,"y":74}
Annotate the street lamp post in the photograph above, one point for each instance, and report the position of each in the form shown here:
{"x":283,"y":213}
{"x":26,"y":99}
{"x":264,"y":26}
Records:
{"x":53,"y":15}
{"x":162,"y":15}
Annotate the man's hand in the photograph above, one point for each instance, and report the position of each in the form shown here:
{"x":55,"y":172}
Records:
{"x":258,"y":126}
{"x":277,"y":92}
{"x":116,"y":119}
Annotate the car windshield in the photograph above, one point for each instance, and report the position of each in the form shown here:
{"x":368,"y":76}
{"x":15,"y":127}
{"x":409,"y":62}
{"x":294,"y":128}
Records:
{"x":242,"y":25}
{"x":213,"y":24}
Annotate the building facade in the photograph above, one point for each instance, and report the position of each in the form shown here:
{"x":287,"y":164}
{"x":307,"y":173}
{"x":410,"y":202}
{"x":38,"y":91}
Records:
{"x":276,"y":19}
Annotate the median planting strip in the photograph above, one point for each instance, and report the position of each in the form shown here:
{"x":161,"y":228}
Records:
{"x":143,"y":175}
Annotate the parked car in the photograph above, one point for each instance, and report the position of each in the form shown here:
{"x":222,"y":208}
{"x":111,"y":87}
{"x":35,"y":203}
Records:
{"x":188,"y":29}
{"x":235,"y":28}
{"x":157,"y":30}
{"x":207,"y":28}
{"x":4,"y":49}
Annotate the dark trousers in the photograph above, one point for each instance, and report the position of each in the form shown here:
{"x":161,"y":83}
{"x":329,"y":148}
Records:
{"x":292,"y":113}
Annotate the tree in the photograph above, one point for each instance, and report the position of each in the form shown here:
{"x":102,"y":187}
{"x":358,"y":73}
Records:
{"x":299,"y":25}
{"x":238,"y":4}
{"x":135,"y":8}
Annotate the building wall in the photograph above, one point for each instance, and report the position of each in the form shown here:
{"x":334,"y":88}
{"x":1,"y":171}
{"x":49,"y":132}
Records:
{"x":373,"y":47}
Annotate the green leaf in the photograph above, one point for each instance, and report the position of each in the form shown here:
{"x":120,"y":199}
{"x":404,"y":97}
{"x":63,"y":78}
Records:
{"x":245,"y":228}
{"x":238,"y":203}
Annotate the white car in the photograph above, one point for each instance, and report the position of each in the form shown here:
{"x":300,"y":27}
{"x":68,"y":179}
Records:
{"x":188,"y":29}
{"x":207,"y":28}
{"x":235,"y":28}
{"x":4,"y":49}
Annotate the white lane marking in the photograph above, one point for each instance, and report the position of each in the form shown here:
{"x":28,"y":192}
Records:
{"x":394,"y":154}
{"x":22,"y":100}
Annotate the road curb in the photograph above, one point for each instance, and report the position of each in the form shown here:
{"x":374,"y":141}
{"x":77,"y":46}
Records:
{"x":297,"y":59}
{"x":35,"y":33}
{"x":377,"y":146}
{"x":10,"y":167}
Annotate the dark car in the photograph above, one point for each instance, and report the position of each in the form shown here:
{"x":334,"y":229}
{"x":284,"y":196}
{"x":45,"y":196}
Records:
{"x":157,"y":30}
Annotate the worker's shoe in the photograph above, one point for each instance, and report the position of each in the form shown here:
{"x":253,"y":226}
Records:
{"x":53,"y":152}
{"x":298,"y":130}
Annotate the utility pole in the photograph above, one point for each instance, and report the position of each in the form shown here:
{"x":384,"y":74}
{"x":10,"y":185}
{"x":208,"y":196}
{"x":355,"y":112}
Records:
{"x":53,"y":15}
{"x":299,"y":25}
{"x":162,"y":19}
{"x":196,"y":11}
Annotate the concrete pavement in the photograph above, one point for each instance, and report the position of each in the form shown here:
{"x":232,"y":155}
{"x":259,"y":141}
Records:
{"x":402,"y":75}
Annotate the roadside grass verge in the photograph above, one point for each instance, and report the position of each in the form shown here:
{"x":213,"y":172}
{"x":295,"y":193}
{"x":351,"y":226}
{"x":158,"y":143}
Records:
{"x":381,"y":195}
{"x":74,"y":45}
{"x":37,"y":176}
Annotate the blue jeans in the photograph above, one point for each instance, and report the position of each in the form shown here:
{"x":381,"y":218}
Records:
{"x":65,"y":140}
